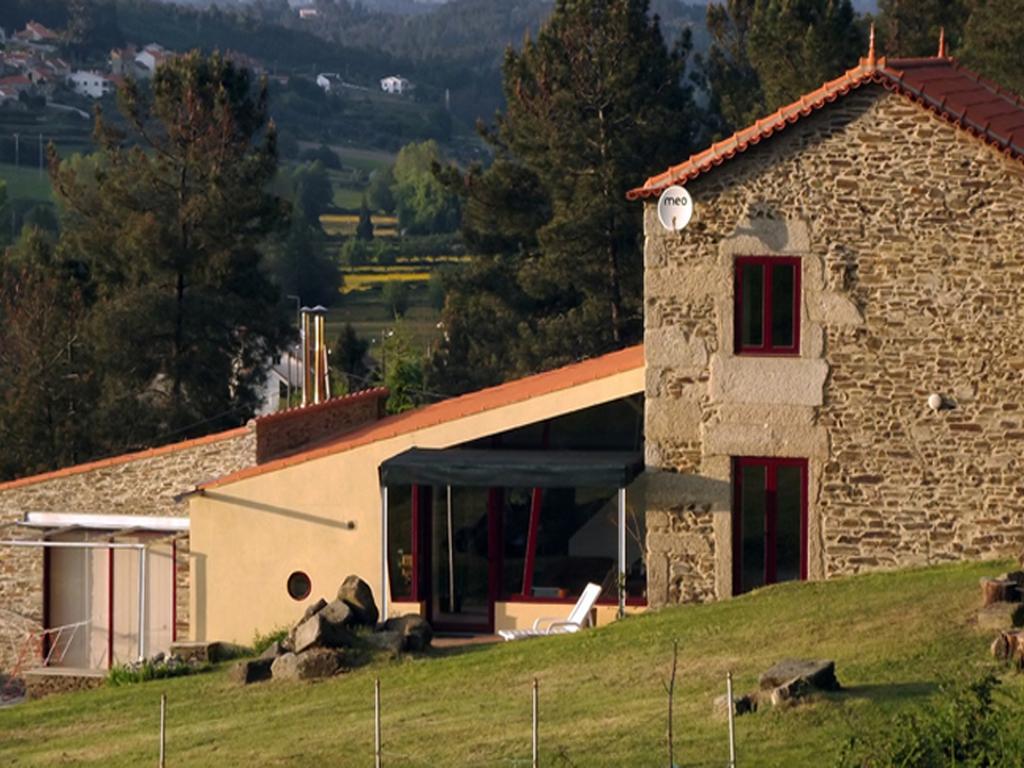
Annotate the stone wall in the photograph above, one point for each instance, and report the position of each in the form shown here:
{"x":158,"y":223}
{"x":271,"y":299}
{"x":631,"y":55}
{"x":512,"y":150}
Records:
{"x":909,"y":232}
{"x":137,"y":484}
{"x":289,"y":431}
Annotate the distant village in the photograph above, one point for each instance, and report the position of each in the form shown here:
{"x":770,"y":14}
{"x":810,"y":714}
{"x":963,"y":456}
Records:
{"x":31,"y":66}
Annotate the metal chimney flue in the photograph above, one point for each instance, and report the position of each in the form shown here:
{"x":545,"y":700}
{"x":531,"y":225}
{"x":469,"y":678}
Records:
{"x":316,"y":386}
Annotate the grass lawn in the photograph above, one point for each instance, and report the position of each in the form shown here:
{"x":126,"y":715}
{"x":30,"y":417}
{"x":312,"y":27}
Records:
{"x":894,"y":638}
{"x":25,"y":182}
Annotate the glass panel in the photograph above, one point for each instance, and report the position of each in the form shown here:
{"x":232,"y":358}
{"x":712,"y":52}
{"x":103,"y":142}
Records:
{"x":577,"y":542}
{"x":752,"y":526}
{"x":751,"y":317}
{"x":515,"y":531}
{"x":460,"y":571}
{"x":783,"y":286}
{"x":788,"y":493}
{"x":636,"y":565}
{"x":400,"y":563}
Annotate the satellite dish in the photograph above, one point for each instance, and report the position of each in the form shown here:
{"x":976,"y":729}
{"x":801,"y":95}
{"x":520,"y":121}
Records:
{"x":675,"y":208}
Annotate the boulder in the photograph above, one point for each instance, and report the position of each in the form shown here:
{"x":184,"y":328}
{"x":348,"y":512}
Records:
{"x":318,"y":631}
{"x":387,"y":640}
{"x":314,"y":609}
{"x":285,"y":667}
{"x":416,"y":631}
{"x":308,"y":665}
{"x":359,"y":597}
{"x":820,"y":674}
{"x":788,"y":692}
{"x":741,"y":705}
{"x":273,"y":650}
{"x":251,"y":671}
{"x":338,"y":613}
{"x":1001,"y":615}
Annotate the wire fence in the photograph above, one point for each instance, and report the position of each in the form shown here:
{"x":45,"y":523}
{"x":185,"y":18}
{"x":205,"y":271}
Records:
{"x":387,"y":750}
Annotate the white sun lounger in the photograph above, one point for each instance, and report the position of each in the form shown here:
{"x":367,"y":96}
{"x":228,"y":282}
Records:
{"x":578,"y":619}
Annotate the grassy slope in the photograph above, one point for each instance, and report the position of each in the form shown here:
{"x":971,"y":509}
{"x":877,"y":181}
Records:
{"x":25,"y":183}
{"x":894,"y":638}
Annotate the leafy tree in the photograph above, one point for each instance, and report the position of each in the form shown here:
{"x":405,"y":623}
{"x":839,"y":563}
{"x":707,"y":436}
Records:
{"x":348,"y":358}
{"x":364,"y":228}
{"x":42,"y":217}
{"x":424,"y":204}
{"x":323,"y":155}
{"x":993,"y":41}
{"x":402,"y":370}
{"x":595,"y":103}
{"x":396,"y":297}
{"x":313,"y":191}
{"x":301,"y":266}
{"x":379,"y":191}
{"x":169,"y":222}
{"x":47,"y":384}
{"x":92,"y":28}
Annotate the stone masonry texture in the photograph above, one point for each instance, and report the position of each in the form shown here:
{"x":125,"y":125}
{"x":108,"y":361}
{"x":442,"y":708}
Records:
{"x":911,"y":239}
{"x":145,"y":486}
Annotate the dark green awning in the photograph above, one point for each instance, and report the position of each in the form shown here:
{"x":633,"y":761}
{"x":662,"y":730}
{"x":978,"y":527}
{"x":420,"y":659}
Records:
{"x":512,"y":469}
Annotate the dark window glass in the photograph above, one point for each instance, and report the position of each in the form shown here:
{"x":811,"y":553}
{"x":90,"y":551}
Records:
{"x":400,"y":564}
{"x":752,"y":305}
{"x":460,"y":570}
{"x":752,"y":526}
{"x":299,"y":586}
{"x":515,"y":521}
{"x":788,"y":492}
{"x":782,"y":314}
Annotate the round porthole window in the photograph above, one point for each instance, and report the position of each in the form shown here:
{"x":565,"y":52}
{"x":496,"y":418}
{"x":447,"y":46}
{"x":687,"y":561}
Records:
{"x":299,"y":586}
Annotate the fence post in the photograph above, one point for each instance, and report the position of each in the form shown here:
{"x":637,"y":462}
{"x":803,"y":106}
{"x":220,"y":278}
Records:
{"x":536,"y":722}
{"x":163,"y":728}
{"x":732,"y":720}
{"x":377,"y":759}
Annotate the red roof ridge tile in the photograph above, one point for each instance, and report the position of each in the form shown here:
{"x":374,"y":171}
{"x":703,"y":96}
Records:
{"x":470,"y":404}
{"x":891,"y":74}
{"x":125,"y":458}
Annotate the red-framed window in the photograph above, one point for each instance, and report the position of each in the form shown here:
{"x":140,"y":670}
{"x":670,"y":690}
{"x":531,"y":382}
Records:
{"x":767,"y":305}
{"x":769,"y":524}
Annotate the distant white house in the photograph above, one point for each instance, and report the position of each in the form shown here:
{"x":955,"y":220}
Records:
{"x":395,"y":84}
{"x":149,"y":58}
{"x":91,"y":84}
{"x":329,"y":81}
{"x":308,"y":13}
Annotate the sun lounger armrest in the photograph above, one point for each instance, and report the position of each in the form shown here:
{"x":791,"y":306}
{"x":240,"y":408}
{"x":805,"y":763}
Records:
{"x":562,"y":626}
{"x":538,"y":622}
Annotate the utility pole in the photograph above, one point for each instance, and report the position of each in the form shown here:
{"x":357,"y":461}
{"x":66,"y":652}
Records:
{"x":40,"y":154}
{"x":17,"y":150}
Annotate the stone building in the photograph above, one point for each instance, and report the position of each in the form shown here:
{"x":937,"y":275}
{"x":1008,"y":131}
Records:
{"x":835,"y":343}
{"x":131,"y":499}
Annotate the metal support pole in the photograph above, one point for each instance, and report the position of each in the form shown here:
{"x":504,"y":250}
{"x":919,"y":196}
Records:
{"x":163,"y":728}
{"x":142,"y":604}
{"x":732,"y":720}
{"x":377,"y":757}
{"x":622,"y":552}
{"x":451,"y":555}
{"x":536,"y":724}
{"x":384,"y":553}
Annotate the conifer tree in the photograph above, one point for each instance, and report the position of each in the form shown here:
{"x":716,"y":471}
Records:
{"x":595,"y":103}
{"x":168,"y":221}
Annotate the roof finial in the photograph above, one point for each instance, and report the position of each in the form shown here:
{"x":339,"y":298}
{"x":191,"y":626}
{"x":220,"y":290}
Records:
{"x":942,"y":42}
{"x":871,"y":47}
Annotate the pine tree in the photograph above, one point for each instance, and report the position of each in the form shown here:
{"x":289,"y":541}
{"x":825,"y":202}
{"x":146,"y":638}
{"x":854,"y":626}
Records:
{"x":911,"y":27}
{"x":364,"y":228}
{"x":169,"y":220}
{"x":595,"y":104}
{"x":994,"y":41}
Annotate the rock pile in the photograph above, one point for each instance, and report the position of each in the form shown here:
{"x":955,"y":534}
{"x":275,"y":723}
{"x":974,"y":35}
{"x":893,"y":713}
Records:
{"x":784,"y":684}
{"x":1002,"y":610}
{"x":332,"y":637}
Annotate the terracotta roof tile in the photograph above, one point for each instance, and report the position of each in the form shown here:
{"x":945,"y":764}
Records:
{"x":124,"y":458}
{"x":502,"y":395}
{"x":942,"y":85}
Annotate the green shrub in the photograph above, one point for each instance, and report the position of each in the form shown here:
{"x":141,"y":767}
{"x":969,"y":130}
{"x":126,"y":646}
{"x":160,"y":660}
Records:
{"x":260,"y":642}
{"x":971,"y":725}
{"x":127,"y":674}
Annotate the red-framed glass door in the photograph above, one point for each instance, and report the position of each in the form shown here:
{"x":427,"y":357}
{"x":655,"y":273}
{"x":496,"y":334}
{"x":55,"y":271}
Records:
{"x":462,"y":564}
{"x":769,"y":521}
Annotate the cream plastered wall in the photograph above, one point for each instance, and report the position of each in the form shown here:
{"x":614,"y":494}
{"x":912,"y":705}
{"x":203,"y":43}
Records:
{"x":322,"y":517}
{"x":909,"y":233}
